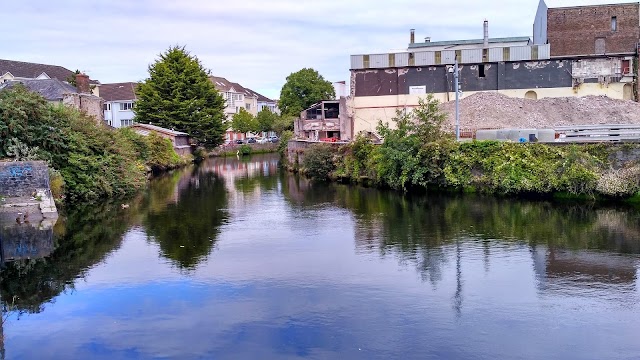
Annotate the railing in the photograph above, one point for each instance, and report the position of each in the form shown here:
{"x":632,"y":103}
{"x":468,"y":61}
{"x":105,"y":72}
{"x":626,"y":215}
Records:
{"x":598,"y":133}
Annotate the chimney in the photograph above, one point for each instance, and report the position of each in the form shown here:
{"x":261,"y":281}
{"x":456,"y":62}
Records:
{"x":486,"y":34}
{"x":427,"y":39}
{"x":412,"y":40}
{"x":82,"y":83}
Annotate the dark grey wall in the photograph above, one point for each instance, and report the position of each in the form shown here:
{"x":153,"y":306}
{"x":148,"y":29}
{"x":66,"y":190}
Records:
{"x":22,"y":178}
{"x":437,"y":79}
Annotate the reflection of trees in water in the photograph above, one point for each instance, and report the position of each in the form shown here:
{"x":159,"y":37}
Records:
{"x":421,"y":229}
{"x":83,"y":238}
{"x":186,"y":230}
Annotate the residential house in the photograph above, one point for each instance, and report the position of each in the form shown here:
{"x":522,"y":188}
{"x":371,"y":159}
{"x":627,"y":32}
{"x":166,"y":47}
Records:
{"x":265,"y":102}
{"x":118,"y":107}
{"x":180,"y":140}
{"x":57,"y":91}
{"x":236,"y":97}
{"x":20,"y":70}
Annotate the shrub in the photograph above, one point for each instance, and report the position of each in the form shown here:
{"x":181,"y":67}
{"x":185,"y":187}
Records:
{"x":244,"y":150}
{"x":618,"y":183}
{"x":318,"y":161}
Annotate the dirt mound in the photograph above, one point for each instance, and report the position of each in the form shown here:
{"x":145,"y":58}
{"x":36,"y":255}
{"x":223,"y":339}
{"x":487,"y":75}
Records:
{"x":493,"y":110}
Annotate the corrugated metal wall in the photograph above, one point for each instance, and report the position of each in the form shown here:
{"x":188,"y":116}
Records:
{"x":447,"y":57}
{"x":424,"y":58}
{"x":471,"y":56}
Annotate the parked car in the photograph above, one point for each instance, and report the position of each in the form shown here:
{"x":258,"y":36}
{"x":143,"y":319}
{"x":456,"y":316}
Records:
{"x":251,"y":140}
{"x":239,"y":141}
{"x":262,"y":140}
{"x":273,"y":139}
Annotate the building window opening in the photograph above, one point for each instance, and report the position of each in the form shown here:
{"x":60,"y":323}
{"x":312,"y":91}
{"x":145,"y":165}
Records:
{"x":481,"y":71}
{"x":614,"y":23}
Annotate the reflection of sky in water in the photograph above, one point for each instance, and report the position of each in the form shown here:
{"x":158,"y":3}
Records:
{"x":288,"y":282}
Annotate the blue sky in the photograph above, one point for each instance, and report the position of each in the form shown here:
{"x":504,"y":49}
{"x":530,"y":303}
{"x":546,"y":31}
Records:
{"x":254,"y":42}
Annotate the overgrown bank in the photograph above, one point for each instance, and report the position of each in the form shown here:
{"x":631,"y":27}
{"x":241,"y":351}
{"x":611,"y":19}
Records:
{"x":88,"y":160}
{"x":417,"y":153}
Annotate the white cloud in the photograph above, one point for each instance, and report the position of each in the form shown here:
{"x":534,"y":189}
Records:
{"x":253,"y":42}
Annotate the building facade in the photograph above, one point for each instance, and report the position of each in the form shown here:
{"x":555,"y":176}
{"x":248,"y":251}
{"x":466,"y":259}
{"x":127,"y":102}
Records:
{"x":118,"y":106}
{"x":588,"y":30}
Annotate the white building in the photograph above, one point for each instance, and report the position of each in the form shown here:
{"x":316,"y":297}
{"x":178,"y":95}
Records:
{"x":118,"y":105}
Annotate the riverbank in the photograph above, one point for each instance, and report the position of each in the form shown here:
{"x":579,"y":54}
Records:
{"x":243,"y":149}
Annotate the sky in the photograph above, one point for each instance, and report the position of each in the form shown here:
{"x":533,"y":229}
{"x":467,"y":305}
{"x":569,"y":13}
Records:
{"x":256,"y":43}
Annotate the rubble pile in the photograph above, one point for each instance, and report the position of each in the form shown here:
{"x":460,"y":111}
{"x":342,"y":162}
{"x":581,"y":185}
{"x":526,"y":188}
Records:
{"x":490,"y":110}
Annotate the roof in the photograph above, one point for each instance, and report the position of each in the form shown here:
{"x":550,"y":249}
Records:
{"x":159,"y":129}
{"x":33,"y":70}
{"x":50,"y":89}
{"x":470,"y":42}
{"x":118,"y":91}
{"x":221,"y":84}
{"x":261,"y":98}
{"x":553,"y":4}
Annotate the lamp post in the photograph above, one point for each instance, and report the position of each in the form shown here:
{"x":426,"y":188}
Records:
{"x":457,"y":89}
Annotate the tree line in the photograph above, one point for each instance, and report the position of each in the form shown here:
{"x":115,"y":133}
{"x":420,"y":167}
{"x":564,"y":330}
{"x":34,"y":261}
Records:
{"x":179,"y":95}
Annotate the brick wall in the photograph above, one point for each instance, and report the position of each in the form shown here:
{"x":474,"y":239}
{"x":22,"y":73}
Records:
{"x":575,"y":30}
{"x":22,"y":178}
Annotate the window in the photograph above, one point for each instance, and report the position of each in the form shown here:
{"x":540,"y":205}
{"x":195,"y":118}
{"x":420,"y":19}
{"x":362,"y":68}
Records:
{"x":614,"y":23}
{"x":237,"y":109}
{"x":107,"y":107}
{"x":481,"y":71}
{"x":248,"y":106}
{"x":126,"y":106}
{"x":126,"y":122}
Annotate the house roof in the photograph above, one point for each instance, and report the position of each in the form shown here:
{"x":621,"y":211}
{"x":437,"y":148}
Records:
{"x":221,"y":84}
{"x":118,"y":91}
{"x":261,"y":98}
{"x":470,"y":42}
{"x":50,"y":89}
{"x":158,"y":129}
{"x":33,"y":70}
{"x":581,"y":3}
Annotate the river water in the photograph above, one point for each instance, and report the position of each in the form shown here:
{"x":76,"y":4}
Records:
{"x":238,"y":260}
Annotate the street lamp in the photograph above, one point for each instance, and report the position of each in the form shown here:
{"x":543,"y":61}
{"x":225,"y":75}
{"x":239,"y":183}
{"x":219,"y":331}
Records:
{"x":457,"y":89}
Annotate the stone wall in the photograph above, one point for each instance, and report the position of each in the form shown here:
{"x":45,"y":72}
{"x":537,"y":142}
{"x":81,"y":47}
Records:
{"x":87,"y":103}
{"x":295,"y":149}
{"x":22,"y":178}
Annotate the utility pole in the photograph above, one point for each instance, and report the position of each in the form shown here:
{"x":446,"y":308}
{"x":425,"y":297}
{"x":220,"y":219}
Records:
{"x":457,"y":89}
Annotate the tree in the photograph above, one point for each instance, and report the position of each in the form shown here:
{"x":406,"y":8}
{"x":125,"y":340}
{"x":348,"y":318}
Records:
{"x":266,"y":120}
{"x":303,"y":89}
{"x":72,"y":78}
{"x":244,"y":122}
{"x":178,"y":94}
{"x":283,"y":123}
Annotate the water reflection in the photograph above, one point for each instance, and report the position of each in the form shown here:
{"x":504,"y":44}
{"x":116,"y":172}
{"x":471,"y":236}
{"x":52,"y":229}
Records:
{"x":238,"y":260}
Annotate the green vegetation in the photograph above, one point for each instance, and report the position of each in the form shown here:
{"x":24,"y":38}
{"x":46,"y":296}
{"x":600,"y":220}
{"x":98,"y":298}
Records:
{"x":178,"y":94}
{"x":318,"y":161}
{"x":303,"y":89}
{"x":244,"y":122}
{"x":266,"y":120}
{"x":88,"y":161}
{"x":417,"y":153}
{"x":244,"y":150}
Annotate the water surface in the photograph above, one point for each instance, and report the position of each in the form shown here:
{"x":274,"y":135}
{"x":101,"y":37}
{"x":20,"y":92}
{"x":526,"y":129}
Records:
{"x":237,"y":260}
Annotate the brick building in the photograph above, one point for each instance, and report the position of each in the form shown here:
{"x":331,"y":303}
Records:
{"x":588,"y":30}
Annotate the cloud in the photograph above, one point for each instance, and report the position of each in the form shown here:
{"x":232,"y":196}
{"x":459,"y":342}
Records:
{"x":255,"y":43}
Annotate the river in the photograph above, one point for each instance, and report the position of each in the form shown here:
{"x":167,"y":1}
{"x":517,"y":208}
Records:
{"x":236,"y":259}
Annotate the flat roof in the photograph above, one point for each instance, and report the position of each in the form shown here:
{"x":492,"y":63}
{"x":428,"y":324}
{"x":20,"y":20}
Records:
{"x":470,"y":42}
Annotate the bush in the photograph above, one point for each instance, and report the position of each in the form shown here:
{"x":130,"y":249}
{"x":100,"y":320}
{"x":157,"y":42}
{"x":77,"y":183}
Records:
{"x":318,"y":161}
{"x":244,"y":150}
{"x":618,"y":183}
{"x":88,"y":160}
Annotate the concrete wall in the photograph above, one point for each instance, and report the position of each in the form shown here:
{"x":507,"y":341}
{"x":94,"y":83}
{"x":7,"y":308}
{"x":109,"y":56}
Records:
{"x":22,"y":178}
{"x":575,"y":30}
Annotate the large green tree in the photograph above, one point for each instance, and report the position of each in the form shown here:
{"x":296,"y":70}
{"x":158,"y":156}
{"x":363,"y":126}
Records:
{"x":266,"y":120}
{"x":303,"y":89}
{"x":178,"y":94}
{"x":244,"y":122}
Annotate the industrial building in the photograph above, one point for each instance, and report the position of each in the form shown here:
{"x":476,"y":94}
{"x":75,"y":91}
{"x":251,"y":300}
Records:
{"x":563,"y":60}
